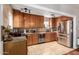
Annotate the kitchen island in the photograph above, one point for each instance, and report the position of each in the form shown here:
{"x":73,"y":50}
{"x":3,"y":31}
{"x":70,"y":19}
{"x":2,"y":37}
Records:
{"x":17,"y":46}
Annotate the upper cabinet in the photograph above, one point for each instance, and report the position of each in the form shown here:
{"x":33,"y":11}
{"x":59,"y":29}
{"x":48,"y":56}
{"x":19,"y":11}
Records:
{"x":21,"y":20}
{"x":39,"y":21}
{"x":18,"y":21}
{"x":54,"y":22}
{"x":24,"y":20}
{"x":16,"y":18}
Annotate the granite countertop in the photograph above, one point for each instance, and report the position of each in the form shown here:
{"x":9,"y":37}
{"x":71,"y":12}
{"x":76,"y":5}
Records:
{"x":41,"y":32}
{"x":16,"y":39}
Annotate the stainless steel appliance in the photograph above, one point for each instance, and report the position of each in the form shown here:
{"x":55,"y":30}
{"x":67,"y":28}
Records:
{"x":65,"y":36}
{"x":41,"y":38}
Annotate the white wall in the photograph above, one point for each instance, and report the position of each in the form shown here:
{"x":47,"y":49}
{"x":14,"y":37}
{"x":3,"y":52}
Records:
{"x":1,"y":23}
{"x":4,"y":15}
{"x":7,"y":15}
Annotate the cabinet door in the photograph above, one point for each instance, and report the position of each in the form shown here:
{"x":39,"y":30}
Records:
{"x":35,"y":38}
{"x":21,"y":20}
{"x":27,"y":20}
{"x":15,"y":48}
{"x":53,"y":36}
{"x":40,"y":21}
{"x":37,"y":21}
{"x":16,"y":18}
{"x":35,"y":25}
{"x":32,"y":21}
{"x":54,"y":22}
{"x":48,"y":37}
{"x":29,"y":40}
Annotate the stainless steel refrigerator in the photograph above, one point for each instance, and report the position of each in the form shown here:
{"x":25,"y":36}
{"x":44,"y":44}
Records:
{"x":65,"y":33}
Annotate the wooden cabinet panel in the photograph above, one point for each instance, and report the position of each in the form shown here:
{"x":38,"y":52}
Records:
{"x":36,"y":21}
{"x":16,"y":18}
{"x":47,"y":37}
{"x":54,"y":22}
{"x":24,"y":20}
{"x":32,"y":39}
{"x":50,"y":37}
{"x":29,"y":40}
{"x":35,"y":38}
{"x":21,"y":20}
{"x":32,"y":21}
{"x":27,"y":20}
{"x":39,"y":21}
{"x":15,"y":48}
{"x":53,"y":36}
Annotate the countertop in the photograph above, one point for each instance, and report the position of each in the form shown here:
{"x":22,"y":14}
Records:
{"x":16,"y":39}
{"x":41,"y":32}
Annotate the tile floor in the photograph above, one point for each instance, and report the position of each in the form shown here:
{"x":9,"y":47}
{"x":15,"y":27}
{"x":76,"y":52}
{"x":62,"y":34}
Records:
{"x":51,"y":48}
{"x":74,"y":52}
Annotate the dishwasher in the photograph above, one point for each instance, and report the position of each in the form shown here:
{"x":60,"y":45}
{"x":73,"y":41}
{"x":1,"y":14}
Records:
{"x":41,"y":38}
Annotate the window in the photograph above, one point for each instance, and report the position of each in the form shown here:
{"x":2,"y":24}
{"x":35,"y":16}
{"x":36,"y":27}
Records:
{"x":10,"y":20}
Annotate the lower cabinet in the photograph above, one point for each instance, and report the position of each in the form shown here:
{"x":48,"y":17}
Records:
{"x":32,"y":39}
{"x":35,"y":39}
{"x":49,"y":37}
{"x":15,"y":48}
{"x":29,"y":39}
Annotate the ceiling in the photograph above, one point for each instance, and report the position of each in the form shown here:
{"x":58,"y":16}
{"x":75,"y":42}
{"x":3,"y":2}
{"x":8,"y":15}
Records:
{"x":35,"y":10}
{"x":72,"y":9}
{"x":67,"y":8}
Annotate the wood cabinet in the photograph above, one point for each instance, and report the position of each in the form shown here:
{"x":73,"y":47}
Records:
{"x":32,"y":21}
{"x":35,"y":39}
{"x":36,"y":21}
{"x":24,"y":20}
{"x":54,"y":36}
{"x":21,"y":20}
{"x":18,"y":20}
{"x":49,"y":37}
{"x":15,"y":48}
{"x":29,"y":39}
{"x":39,"y":21}
{"x":54,"y":22}
{"x":32,"y":39}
